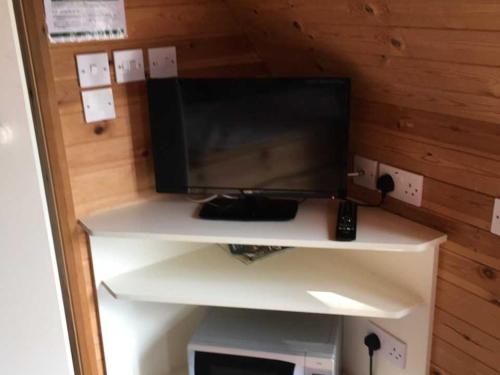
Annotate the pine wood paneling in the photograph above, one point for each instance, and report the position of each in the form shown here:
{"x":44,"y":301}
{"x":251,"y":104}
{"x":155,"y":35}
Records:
{"x":460,"y":14}
{"x":76,"y":132}
{"x":475,"y":277}
{"x":456,"y":46}
{"x":481,"y":313}
{"x":478,"y":344}
{"x":426,"y":86}
{"x":470,"y":136}
{"x":454,"y":167}
{"x":455,"y":362}
{"x":471,"y":254}
{"x":108,"y":164}
{"x":462,"y":204}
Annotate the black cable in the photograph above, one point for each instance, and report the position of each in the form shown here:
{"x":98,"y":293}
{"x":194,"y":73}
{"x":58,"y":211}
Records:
{"x":382,"y":199}
{"x":385,"y":184}
{"x":372,"y":342}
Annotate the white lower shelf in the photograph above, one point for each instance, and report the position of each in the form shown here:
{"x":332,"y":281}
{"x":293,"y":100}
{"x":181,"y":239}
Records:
{"x":303,"y":280}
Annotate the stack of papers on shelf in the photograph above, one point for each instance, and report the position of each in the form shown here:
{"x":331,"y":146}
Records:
{"x":251,"y":253}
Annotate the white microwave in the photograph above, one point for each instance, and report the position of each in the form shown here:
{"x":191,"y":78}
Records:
{"x":256,"y":342}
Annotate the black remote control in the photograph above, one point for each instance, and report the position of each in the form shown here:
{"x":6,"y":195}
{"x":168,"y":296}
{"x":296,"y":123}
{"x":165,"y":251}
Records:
{"x":346,"y":221}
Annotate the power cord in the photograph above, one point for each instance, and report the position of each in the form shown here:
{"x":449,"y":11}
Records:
{"x":385,"y":184}
{"x":203,"y":200}
{"x":373,"y":343}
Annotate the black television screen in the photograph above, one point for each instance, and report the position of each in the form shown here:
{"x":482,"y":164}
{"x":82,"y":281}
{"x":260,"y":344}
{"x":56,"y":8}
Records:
{"x":284,"y":136}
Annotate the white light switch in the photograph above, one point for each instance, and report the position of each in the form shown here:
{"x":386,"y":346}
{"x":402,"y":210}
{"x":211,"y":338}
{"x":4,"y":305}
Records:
{"x":93,"y":70}
{"x":162,"y":62}
{"x":129,"y":65}
{"x":495,"y":222}
{"x":98,"y":105}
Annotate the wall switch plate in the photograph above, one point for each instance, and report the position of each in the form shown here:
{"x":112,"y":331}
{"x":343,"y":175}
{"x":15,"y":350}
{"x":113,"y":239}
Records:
{"x":129,"y":65}
{"x":391,"y":348}
{"x":369,"y":168}
{"x":495,"y":222}
{"x":98,"y":105}
{"x":93,"y":70}
{"x":408,"y":187}
{"x":162,"y":62}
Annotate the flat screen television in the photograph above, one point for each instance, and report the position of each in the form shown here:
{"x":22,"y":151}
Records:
{"x":259,"y":137}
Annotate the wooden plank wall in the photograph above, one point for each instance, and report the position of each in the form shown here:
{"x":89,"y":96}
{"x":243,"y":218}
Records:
{"x":426,"y":83}
{"x":108,"y":164}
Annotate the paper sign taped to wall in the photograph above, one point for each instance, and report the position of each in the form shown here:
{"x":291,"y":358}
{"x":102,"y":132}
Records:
{"x":84,"y":20}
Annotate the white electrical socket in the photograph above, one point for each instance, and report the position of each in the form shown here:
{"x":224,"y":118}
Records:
{"x":495,"y":221}
{"x":408,"y":187}
{"x":369,"y":168}
{"x":129,"y":65}
{"x":162,"y":62}
{"x":391,"y":348}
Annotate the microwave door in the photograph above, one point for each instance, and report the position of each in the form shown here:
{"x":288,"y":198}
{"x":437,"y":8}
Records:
{"x":225,"y":364}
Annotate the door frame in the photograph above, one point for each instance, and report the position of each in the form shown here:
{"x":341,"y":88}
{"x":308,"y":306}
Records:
{"x":55,"y":182}
{"x":43,"y":243}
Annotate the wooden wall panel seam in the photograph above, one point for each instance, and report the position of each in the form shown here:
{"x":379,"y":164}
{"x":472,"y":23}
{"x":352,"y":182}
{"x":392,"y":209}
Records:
{"x":447,"y":355}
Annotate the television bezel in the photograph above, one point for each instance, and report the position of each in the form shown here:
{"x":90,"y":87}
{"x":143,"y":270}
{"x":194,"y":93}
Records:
{"x":252,"y":191}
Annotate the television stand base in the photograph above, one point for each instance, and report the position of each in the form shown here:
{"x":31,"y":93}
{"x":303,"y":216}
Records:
{"x":249,"y":208}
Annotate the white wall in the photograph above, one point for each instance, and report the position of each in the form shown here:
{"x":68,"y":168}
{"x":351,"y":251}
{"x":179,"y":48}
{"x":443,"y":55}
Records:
{"x":33,"y":334}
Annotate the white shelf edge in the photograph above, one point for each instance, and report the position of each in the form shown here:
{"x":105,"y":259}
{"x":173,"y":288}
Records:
{"x":354,"y":245}
{"x":345,"y":312}
{"x":140,"y":221}
{"x":196,"y":279}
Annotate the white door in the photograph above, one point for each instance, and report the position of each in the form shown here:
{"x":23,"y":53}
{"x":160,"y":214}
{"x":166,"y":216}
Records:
{"x":33,"y":334}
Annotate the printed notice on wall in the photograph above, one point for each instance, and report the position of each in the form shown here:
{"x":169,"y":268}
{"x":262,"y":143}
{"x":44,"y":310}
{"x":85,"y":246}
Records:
{"x":84,"y":20}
